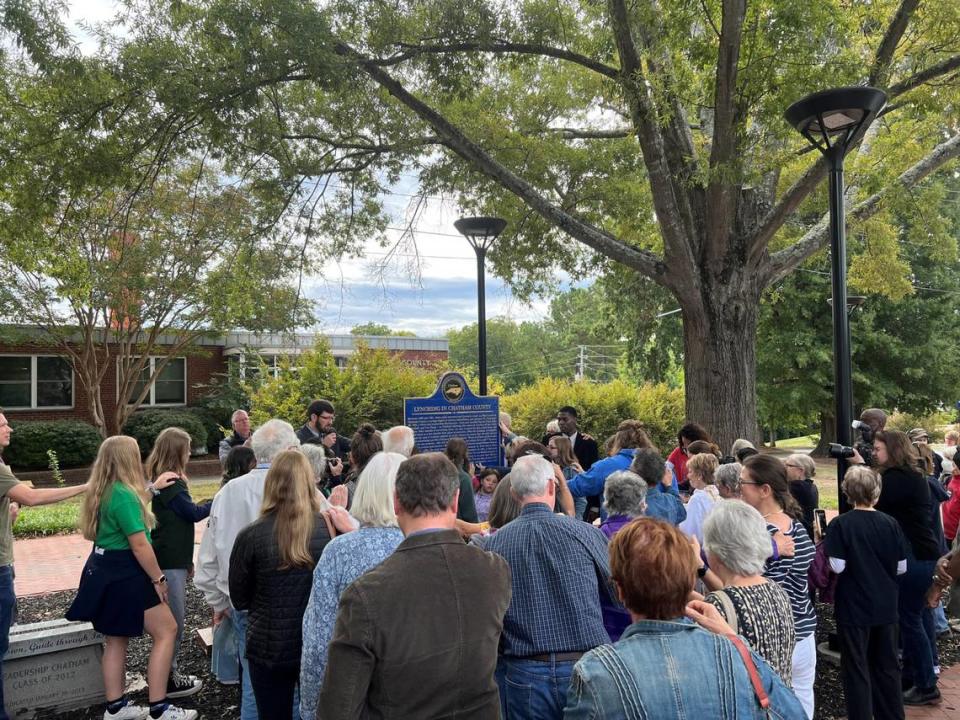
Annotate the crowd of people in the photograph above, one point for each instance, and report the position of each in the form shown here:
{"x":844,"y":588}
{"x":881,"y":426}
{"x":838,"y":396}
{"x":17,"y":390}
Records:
{"x":357,"y":577}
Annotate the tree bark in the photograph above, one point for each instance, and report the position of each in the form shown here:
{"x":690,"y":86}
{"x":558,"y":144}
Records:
{"x":720,"y":362}
{"x":828,"y":433}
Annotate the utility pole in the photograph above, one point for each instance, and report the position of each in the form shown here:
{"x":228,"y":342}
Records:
{"x":582,"y":366}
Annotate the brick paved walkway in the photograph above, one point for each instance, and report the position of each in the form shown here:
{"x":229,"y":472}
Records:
{"x":54,"y":563}
{"x":949,"y":708}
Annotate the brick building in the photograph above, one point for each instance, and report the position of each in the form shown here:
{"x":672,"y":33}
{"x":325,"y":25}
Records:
{"x":38,"y":383}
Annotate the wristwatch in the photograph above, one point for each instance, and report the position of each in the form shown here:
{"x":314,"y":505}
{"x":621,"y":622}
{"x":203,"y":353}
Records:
{"x":153,"y":490}
{"x":162,"y":580}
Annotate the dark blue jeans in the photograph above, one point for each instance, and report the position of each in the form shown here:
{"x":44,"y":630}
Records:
{"x":7,"y":602}
{"x":918,"y":652}
{"x":533,"y":689}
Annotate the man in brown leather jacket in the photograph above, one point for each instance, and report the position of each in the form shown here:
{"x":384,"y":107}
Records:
{"x":417,"y":636}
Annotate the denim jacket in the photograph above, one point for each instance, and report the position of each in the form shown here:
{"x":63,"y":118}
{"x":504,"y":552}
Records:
{"x":673,"y":669}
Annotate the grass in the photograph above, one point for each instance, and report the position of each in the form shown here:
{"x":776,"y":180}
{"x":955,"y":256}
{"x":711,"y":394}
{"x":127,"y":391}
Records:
{"x":62,"y":518}
{"x":804,"y":441}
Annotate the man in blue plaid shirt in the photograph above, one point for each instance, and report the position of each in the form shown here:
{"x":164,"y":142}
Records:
{"x":560,"y":570}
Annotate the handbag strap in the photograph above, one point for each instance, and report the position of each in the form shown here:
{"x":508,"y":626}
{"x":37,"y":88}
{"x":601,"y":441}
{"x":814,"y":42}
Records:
{"x":758,"y":689}
{"x":728,"y":610}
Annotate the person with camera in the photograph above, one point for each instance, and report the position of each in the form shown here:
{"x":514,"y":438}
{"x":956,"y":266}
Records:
{"x":871,"y":422}
{"x":905,"y":497}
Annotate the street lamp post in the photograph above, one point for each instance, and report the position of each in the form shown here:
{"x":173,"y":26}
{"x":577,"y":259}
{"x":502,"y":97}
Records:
{"x":480,"y":233}
{"x":833,"y":121}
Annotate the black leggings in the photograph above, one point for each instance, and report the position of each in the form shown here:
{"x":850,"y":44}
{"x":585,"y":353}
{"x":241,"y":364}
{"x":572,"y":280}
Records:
{"x":274,"y":690}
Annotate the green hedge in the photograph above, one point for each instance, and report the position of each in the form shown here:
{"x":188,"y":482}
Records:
{"x":600,"y":407}
{"x":145,"y":425}
{"x":74,"y":441}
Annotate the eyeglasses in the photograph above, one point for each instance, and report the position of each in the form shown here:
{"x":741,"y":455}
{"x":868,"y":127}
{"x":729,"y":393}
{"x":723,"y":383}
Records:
{"x":750,"y":482}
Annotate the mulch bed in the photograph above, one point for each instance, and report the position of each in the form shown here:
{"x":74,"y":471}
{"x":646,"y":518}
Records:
{"x":828,"y":689}
{"x":223,"y":701}
{"x":214,"y":701}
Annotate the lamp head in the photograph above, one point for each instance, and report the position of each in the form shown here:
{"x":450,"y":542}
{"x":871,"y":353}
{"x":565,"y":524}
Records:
{"x":480,"y":231}
{"x":836,"y":117}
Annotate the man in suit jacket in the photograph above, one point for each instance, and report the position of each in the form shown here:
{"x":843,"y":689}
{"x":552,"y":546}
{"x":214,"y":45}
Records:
{"x":417,"y":636}
{"x":584,"y":446}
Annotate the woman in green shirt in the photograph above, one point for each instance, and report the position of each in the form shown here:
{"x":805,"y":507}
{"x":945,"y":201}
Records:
{"x":122,"y":590}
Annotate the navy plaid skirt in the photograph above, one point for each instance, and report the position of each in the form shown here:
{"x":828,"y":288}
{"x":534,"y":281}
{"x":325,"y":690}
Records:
{"x":114,"y":593}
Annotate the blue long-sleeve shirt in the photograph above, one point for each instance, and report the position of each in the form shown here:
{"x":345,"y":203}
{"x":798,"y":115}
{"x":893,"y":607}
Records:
{"x":591,"y":482}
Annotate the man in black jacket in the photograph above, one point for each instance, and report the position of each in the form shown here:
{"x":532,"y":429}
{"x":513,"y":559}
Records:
{"x":584,"y":446}
{"x":317,"y":429}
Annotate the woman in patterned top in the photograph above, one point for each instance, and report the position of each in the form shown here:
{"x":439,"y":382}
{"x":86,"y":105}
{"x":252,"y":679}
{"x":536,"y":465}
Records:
{"x":737,"y":546}
{"x":764,"y":485}
{"x":344,"y":559}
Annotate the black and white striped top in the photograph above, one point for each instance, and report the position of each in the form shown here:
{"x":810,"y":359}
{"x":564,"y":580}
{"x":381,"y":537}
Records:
{"x":791,"y":574}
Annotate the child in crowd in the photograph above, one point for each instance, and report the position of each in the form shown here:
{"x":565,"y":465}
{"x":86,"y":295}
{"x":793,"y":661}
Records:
{"x":951,"y":508}
{"x":868,"y":550}
{"x":239,"y":461}
{"x":173,"y":536}
{"x":122,"y":589}
{"x":489,"y":478}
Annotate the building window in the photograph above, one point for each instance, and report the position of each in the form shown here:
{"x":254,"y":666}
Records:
{"x":170,"y":386}
{"x":33,"y":382}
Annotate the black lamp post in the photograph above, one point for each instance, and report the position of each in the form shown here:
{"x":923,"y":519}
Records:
{"x":834,"y":121}
{"x":480,"y":233}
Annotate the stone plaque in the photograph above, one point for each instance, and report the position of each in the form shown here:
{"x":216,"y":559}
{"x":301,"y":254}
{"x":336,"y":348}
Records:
{"x":454,"y":411}
{"x":52,"y":665}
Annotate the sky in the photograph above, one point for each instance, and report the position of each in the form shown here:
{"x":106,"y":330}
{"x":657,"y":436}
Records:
{"x":440,"y":296}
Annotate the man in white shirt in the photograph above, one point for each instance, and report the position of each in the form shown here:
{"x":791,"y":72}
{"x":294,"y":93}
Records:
{"x":234,"y":507}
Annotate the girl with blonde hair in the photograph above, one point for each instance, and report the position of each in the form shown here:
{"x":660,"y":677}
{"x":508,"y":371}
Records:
{"x":173,"y":536}
{"x":701,"y":472}
{"x":561,"y":450}
{"x":122,"y":589}
{"x":271,"y":572}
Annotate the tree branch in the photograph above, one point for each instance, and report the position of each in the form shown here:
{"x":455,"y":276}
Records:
{"x":570,"y":133}
{"x":782,"y":263}
{"x":721,"y":194}
{"x":642,"y":261}
{"x":498,"y":47}
{"x":888,"y":45}
{"x":934,"y":71}
{"x":668,"y":200}
{"x":789,"y":201}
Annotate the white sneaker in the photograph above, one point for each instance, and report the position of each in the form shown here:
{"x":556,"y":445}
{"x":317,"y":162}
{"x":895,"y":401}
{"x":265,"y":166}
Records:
{"x":127,"y":712}
{"x":174,"y":713}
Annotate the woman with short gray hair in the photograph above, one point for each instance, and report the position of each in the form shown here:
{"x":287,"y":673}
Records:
{"x":624,"y":498}
{"x":737,"y":545}
{"x":727,"y":478}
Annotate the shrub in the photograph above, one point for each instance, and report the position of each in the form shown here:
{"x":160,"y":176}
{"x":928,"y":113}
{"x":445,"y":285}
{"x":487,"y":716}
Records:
{"x":601,"y":407}
{"x":75,"y":443}
{"x":145,"y":425}
{"x":936,"y":423}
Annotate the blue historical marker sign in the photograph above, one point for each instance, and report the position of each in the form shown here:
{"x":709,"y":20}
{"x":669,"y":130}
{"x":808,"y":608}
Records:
{"x":454,"y":411}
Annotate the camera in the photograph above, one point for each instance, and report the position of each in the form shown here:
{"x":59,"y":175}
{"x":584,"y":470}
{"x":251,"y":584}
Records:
{"x":840,"y":451}
{"x":864,"y":446}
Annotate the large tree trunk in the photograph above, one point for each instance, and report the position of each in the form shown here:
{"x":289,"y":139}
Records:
{"x":828,"y":434}
{"x":719,"y":342}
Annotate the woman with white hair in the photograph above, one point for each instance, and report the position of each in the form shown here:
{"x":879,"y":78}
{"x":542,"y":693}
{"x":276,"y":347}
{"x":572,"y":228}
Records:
{"x":345,"y":559}
{"x":737,"y":545}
